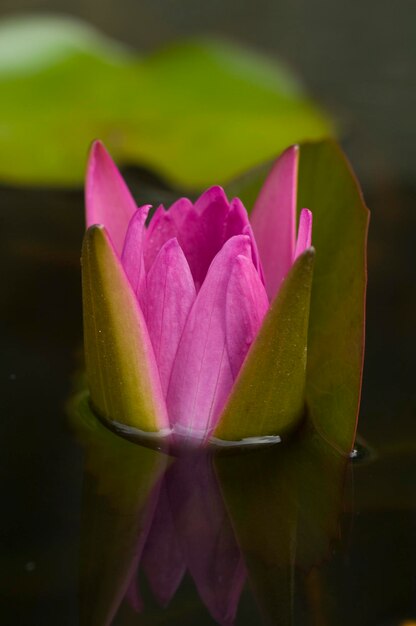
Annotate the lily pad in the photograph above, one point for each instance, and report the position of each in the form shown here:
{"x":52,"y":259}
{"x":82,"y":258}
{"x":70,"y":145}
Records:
{"x":198,"y":112}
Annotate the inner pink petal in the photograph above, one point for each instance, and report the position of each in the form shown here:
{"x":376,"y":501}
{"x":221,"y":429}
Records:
{"x":132,"y":255}
{"x":238,"y":224}
{"x":202,"y":231}
{"x":169,"y":297}
{"x":202,"y":376}
{"x":161,"y":228}
{"x":304,"y":239}
{"x":246,"y":306}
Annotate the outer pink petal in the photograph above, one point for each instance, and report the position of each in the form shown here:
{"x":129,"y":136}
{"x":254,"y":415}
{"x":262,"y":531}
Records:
{"x":304,"y":239}
{"x":274,"y":220}
{"x":206,"y":537}
{"x":107,"y":198}
{"x":132,"y":255}
{"x":202,"y":376}
{"x":163,"y":561}
{"x":246,"y":306}
{"x":169,"y":298}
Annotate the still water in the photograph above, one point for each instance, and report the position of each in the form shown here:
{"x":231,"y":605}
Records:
{"x":96,"y":530}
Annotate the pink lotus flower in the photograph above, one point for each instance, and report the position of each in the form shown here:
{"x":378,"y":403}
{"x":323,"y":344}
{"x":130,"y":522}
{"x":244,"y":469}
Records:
{"x":203,"y":278}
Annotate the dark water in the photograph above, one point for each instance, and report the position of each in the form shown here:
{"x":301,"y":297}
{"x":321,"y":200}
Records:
{"x":289,"y":535}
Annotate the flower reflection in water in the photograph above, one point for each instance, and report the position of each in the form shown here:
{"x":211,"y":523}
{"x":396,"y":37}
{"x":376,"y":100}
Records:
{"x":191,"y":532}
{"x":231,"y":521}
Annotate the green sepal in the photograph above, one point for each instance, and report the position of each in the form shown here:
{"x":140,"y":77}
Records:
{"x":268,"y":395}
{"x":119,"y":358}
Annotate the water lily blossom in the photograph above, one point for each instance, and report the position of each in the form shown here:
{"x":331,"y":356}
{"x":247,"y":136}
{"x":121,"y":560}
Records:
{"x":173,"y":306}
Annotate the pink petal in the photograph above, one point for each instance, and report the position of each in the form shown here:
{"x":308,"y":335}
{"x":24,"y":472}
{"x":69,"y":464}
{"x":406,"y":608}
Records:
{"x":107,"y":198}
{"x":304,"y":239}
{"x":238,"y":224}
{"x":202,"y":232}
{"x":206,"y":537}
{"x":163,"y":226}
{"x":237,"y":219}
{"x":202,"y":376}
{"x":169,"y":298}
{"x":179,"y":210}
{"x":163,"y":560}
{"x":132,"y":255}
{"x":213,"y":200}
{"x":274,"y":220}
{"x":246,"y":306}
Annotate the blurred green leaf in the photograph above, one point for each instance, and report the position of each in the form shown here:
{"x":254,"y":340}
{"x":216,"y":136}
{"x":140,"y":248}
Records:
{"x":199,"y":112}
{"x":328,"y":187}
{"x":268,"y":396}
